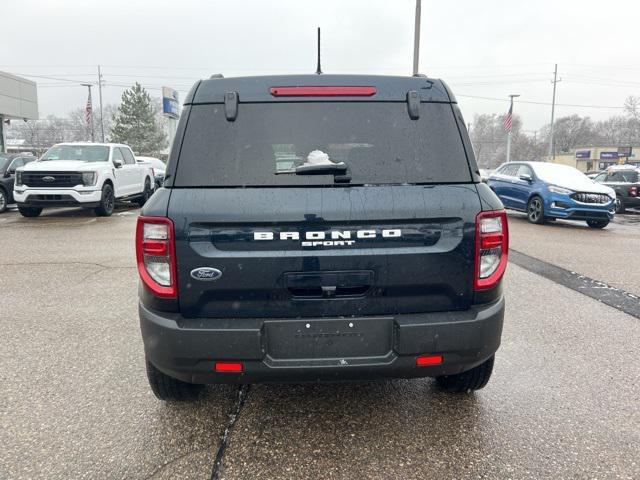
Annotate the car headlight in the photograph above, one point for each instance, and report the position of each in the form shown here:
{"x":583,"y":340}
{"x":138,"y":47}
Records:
{"x":18,"y":179}
{"x":88,"y":179}
{"x":556,"y":189}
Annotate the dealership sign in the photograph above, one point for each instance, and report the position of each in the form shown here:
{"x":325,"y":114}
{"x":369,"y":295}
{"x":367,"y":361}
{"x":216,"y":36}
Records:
{"x":170,"y":103}
{"x":608,"y":155}
{"x":625,"y":152}
{"x":583,"y":153}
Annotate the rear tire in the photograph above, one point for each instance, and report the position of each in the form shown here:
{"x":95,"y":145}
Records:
{"x":535,"y":210}
{"x":146,"y":193}
{"x":620,"y":206}
{"x":107,"y":201}
{"x":597,"y":223}
{"x":4,"y":200}
{"x":468,"y":381}
{"x":171,"y":389}
{"x":29,"y":212}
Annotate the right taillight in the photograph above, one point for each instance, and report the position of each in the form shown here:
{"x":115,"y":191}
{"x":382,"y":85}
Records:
{"x":155,"y":252}
{"x":492,"y":248}
{"x":633,"y":191}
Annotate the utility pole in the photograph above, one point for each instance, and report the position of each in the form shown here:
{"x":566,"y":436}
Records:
{"x":416,"y":38}
{"x":319,"y":68}
{"x":89,"y":111}
{"x":100,"y":94}
{"x":511,"y":97}
{"x":552,"y":150}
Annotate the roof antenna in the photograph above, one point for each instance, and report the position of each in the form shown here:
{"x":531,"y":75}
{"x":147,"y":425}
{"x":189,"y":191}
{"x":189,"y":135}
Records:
{"x":319,"y":70}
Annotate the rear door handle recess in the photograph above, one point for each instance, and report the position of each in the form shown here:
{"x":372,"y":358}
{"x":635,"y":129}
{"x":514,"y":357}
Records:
{"x":312,"y":285}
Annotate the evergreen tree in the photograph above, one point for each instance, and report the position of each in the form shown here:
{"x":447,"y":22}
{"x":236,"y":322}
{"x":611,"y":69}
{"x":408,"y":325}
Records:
{"x":135,"y":123}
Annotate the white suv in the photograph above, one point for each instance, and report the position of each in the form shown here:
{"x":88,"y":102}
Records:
{"x":88,"y":175}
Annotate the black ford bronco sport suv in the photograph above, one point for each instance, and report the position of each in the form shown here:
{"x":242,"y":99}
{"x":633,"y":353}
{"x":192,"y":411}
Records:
{"x":320,"y":227}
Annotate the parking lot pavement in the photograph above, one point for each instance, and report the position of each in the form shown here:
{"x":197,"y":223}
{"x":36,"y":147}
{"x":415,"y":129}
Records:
{"x":563,"y":401}
{"x":611,"y":255}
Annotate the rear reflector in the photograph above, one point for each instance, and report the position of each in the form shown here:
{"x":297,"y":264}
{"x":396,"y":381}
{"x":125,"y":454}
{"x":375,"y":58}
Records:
{"x":322,"y":91}
{"x":426,"y":360}
{"x":228,"y":367}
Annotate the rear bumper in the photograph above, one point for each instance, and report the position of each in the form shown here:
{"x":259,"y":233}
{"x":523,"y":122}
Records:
{"x":631,"y":202}
{"x":58,"y":197}
{"x":188,"y":348}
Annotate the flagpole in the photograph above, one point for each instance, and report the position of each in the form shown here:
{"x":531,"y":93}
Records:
{"x":511,"y":97}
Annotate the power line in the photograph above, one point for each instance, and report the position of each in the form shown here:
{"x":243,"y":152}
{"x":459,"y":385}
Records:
{"x":539,"y":103}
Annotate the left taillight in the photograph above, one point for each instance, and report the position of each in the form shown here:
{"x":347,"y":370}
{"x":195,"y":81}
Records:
{"x":492,"y":249}
{"x":156,"y":255}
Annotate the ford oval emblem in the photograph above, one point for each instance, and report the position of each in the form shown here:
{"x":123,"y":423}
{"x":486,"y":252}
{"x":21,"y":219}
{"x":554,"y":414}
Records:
{"x":207,"y":274}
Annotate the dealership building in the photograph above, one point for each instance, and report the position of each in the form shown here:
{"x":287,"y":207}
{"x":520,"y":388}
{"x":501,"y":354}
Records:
{"x":590,"y":159}
{"x":18,"y":100}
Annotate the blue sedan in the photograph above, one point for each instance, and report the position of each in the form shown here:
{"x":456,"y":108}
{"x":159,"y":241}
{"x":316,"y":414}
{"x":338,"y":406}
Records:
{"x":546,"y":191}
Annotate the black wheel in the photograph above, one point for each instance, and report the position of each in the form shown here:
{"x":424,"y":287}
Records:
{"x":535,"y":210}
{"x":620,"y":206}
{"x":597,"y":223}
{"x":107,"y":201}
{"x":146,"y":193}
{"x":4,"y":200}
{"x":29,"y":211}
{"x":171,"y":389}
{"x":471,"y":380}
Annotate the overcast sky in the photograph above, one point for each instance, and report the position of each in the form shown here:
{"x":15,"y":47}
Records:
{"x":487,"y":48}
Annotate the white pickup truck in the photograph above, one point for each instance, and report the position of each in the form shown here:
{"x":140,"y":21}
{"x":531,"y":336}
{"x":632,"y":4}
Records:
{"x":88,"y":175}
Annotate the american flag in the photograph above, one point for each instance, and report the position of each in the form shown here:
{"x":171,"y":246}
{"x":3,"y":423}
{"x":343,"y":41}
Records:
{"x":508,"y":119}
{"x":88,"y":110}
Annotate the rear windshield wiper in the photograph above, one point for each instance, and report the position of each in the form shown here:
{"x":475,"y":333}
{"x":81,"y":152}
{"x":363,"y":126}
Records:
{"x":338,"y":170}
{"x":322,"y":169}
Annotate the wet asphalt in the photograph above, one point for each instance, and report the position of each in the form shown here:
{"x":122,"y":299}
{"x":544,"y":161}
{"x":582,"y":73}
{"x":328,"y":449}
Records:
{"x":563,"y":401}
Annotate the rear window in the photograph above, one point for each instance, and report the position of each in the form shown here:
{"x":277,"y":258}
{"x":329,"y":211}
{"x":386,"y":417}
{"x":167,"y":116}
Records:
{"x":626,"y":176}
{"x":378,"y":142}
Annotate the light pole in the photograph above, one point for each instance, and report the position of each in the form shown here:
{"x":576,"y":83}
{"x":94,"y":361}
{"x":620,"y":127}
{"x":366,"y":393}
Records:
{"x":100,"y":92}
{"x":416,"y":38}
{"x":508,"y":123}
{"x":552,"y":150}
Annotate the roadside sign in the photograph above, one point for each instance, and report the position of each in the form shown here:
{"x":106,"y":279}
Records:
{"x":170,"y":102}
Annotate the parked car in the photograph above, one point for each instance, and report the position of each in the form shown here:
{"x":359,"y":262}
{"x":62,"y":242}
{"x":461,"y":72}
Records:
{"x":546,"y":191}
{"x":9,"y":162}
{"x":625,"y":181}
{"x":158,"y":167}
{"x":88,"y":175}
{"x":372,"y":250}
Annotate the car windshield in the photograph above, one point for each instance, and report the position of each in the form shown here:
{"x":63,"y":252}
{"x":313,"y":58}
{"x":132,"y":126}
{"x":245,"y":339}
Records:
{"x":559,"y":174}
{"x":85,"y":153}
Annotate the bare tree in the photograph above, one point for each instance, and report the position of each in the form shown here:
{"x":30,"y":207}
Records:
{"x":632,"y":107}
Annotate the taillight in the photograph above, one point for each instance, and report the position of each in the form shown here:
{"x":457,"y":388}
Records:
{"x":156,"y":254}
{"x":492,"y":248}
{"x":633,"y":191}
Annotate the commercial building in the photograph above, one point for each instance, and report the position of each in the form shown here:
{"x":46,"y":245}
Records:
{"x":588,"y":159}
{"x":18,"y":99}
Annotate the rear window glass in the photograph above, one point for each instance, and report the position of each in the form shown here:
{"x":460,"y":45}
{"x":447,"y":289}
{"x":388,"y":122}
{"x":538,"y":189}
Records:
{"x":627,"y":176}
{"x":378,"y":142}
